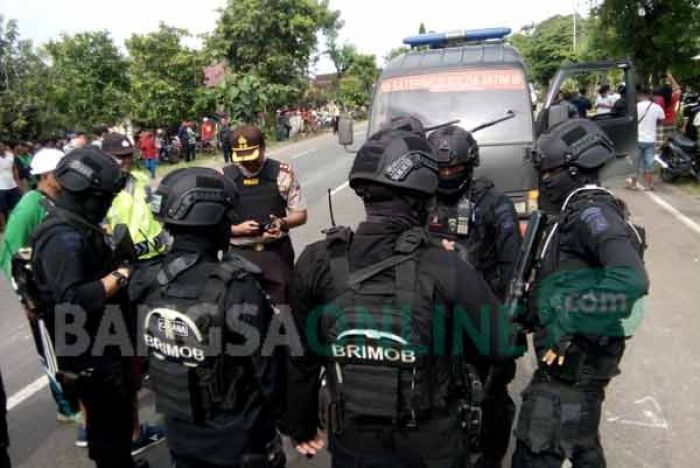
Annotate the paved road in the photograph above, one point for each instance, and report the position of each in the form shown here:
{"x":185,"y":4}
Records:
{"x":651,"y":417}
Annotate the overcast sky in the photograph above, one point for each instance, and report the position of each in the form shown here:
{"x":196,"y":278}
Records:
{"x":374,"y":26}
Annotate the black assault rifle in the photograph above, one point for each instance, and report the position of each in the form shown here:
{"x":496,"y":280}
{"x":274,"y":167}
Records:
{"x":525,"y":272}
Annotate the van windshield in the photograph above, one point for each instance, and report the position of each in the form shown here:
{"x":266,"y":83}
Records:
{"x":472,"y":96}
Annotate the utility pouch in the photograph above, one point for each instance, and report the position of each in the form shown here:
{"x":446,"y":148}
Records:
{"x":371,"y":391}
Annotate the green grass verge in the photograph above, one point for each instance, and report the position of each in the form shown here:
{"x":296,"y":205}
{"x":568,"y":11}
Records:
{"x":689,"y":186}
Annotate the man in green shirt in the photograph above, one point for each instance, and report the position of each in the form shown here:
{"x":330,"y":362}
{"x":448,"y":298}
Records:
{"x":29,"y":212}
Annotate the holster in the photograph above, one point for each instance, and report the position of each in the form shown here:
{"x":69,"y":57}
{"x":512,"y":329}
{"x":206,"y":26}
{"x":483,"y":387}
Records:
{"x":336,"y":417}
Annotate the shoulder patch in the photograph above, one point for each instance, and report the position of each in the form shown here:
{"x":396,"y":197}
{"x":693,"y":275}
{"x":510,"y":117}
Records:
{"x":595,"y":220}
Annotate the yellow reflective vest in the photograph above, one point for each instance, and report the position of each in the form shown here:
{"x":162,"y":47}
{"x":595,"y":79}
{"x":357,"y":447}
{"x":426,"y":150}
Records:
{"x":131,"y":207}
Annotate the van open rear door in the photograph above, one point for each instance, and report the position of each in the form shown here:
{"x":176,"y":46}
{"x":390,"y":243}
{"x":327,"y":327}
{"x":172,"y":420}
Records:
{"x":620,"y":124}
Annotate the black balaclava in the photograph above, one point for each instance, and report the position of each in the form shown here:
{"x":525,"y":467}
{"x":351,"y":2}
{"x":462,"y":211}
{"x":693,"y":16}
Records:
{"x":558,"y":186}
{"x":384,"y":205}
{"x":451,"y":189}
{"x":92,"y":207}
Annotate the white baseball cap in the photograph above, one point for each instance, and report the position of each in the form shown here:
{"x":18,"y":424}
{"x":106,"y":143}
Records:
{"x":45,"y":161}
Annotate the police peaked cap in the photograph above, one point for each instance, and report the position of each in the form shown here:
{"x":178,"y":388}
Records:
{"x":454,"y":146}
{"x":196,"y":196}
{"x":90,"y":170}
{"x":396,"y":159}
{"x":576,"y":142}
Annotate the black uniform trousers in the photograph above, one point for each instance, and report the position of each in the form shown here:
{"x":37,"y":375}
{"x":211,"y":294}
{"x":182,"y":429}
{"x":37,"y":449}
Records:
{"x":108,"y":395}
{"x":437,"y":443}
{"x":276,"y":259}
{"x":498,"y":413}
{"x":560,"y":420}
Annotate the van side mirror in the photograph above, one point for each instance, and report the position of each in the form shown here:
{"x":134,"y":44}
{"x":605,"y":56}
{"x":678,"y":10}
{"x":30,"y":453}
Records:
{"x":345,"y":131}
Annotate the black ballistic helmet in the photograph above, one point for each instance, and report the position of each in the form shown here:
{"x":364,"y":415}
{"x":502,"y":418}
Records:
{"x":456,"y":149}
{"x":576,"y":143}
{"x":396,"y":159}
{"x":91,"y":171}
{"x":406,"y":123}
{"x":197,"y":196}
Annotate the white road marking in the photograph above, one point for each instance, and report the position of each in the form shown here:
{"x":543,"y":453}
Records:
{"x":690,"y":224}
{"x":654,"y":417}
{"x":27,"y":392}
{"x":303,"y":153}
{"x":340,"y":188}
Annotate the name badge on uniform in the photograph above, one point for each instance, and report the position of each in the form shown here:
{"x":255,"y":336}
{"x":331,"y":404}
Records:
{"x":251,"y":181}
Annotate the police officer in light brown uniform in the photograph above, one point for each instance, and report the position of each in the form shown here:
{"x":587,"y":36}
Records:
{"x":270,"y":204}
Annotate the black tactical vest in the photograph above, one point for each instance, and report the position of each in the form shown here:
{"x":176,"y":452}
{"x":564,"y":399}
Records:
{"x":382,"y":366}
{"x":550,"y":255}
{"x":259,"y":196}
{"x":98,"y":241}
{"x":553,"y":256}
{"x":185,"y":333}
{"x":468,"y":222}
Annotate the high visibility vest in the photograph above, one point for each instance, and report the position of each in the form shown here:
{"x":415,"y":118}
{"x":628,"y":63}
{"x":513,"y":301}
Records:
{"x":131,"y":207}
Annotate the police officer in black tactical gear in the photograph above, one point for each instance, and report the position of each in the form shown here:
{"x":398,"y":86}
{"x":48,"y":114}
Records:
{"x":204,"y":320}
{"x":383,"y":310}
{"x":590,"y":274}
{"x":79,"y":285}
{"x":472,"y":216}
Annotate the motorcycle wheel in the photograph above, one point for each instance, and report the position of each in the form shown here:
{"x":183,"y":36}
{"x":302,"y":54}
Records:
{"x":668,"y":176}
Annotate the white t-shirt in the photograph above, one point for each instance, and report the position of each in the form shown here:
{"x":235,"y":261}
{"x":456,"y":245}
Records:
{"x":7,"y":180}
{"x":608,"y":100}
{"x":648,"y":115}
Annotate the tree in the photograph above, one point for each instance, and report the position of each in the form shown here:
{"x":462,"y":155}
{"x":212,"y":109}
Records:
{"x":25,"y":110}
{"x":355,"y":88}
{"x":166,"y":77}
{"x":659,"y":35}
{"x":272,"y":39}
{"x":341,"y":56}
{"x":88,"y":79}
{"x":549,"y":46}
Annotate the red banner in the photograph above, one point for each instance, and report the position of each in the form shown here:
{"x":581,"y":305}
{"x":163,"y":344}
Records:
{"x":457,"y":81}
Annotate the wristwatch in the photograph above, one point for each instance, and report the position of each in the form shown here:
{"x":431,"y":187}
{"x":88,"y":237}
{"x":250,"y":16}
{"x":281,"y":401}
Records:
{"x":122,"y":280}
{"x":284,"y":227}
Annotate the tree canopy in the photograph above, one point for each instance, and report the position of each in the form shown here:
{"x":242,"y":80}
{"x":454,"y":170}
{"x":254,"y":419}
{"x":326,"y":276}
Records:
{"x":166,"y":77}
{"x":88,"y":80}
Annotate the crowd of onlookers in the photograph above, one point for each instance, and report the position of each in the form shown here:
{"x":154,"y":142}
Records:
{"x":155,"y":145}
{"x":657,"y":118}
{"x":305,"y":120}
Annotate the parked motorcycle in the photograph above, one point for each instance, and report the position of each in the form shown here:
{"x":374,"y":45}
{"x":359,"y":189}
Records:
{"x":680,"y":157}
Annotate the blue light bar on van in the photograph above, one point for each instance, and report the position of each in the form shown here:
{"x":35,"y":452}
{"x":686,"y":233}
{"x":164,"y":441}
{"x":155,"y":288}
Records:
{"x":470,"y":35}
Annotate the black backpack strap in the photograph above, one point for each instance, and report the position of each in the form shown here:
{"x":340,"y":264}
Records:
{"x":174,"y":268}
{"x":337,"y":244}
{"x":360,"y":276}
